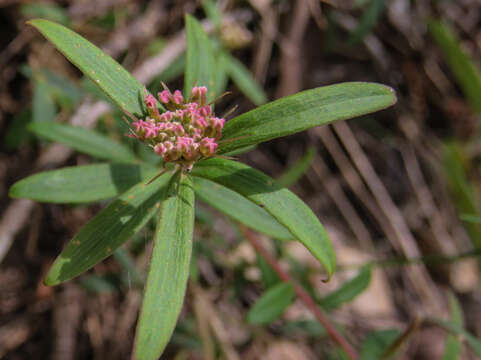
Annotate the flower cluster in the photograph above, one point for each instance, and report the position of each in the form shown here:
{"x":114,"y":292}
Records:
{"x":186,"y":132}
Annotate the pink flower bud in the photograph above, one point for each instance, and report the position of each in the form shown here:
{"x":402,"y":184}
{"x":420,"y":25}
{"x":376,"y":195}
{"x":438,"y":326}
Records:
{"x":206,"y":111}
{"x":166,"y":117}
{"x":150,"y":101}
{"x":164,"y":96}
{"x":208,"y":147}
{"x":178,"y":98}
{"x":199,"y":94}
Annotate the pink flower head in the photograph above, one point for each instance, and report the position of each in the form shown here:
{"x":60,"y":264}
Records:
{"x":184,"y":133}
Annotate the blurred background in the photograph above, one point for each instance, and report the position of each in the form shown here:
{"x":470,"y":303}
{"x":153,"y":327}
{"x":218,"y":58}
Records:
{"x":397,"y":190}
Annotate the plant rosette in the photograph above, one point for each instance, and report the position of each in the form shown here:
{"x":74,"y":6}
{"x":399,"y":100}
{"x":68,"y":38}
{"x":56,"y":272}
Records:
{"x":182,"y":130}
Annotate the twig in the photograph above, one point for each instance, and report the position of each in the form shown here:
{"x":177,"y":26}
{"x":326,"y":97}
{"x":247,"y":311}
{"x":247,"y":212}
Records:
{"x":404,"y":238}
{"x":302,"y":294}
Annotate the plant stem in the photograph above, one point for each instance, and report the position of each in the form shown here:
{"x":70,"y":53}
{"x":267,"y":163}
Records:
{"x":301,"y":293}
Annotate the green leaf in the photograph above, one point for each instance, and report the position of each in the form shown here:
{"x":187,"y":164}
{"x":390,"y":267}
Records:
{"x":282,"y":204}
{"x":295,"y":172}
{"x":108,"y":230}
{"x":268,"y":276}
{"x":17,"y":133}
{"x":456,"y":169}
{"x":368,"y":21}
{"x":168,"y":273}
{"x":83,"y":140}
{"x":462,"y":65}
{"x":243,"y":79}
{"x":82,"y":184}
{"x":239,"y":208}
{"x":213,"y":12}
{"x":376,"y":343}
{"x":43,"y":106}
{"x":453,"y":346}
{"x":104,"y":71}
{"x":221,"y":78}
{"x":472,"y":341}
{"x":200,"y":64}
{"x":271,"y":304}
{"x":45,"y":11}
{"x":348,"y":291}
{"x":304,"y":110}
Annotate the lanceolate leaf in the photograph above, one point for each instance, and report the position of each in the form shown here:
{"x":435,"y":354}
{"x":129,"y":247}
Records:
{"x":200,"y":65}
{"x":462,"y":65}
{"x":304,"y":110}
{"x":168,"y":273}
{"x":104,"y":71}
{"x":108,"y":230}
{"x":282,"y":204}
{"x":82,"y":184}
{"x":243,"y":79}
{"x":239,"y":208}
{"x":348,"y":291}
{"x":271,"y":304}
{"x":83,"y":140}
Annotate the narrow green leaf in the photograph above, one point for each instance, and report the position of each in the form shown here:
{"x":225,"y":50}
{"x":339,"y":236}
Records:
{"x":168,"y":273}
{"x":282,"y":204}
{"x":239,"y":208}
{"x":108,"y":230}
{"x":271,"y":304}
{"x":472,"y":341}
{"x":200,"y":64}
{"x":453,"y":346}
{"x":46,"y":11}
{"x":221,"y":78}
{"x":82,"y":184}
{"x":213,"y":12}
{"x":243,"y":79}
{"x":268,"y":276}
{"x":297,"y":170}
{"x":456,"y":169}
{"x":84,"y":140}
{"x":376,"y":343}
{"x":304,"y":110}
{"x":368,"y":21}
{"x":104,"y":71}
{"x":17,"y":133}
{"x":348,"y":291}
{"x":462,"y":65}
{"x":43,"y":106}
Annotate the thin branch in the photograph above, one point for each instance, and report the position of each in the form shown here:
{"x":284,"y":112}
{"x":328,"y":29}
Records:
{"x":302,"y":294}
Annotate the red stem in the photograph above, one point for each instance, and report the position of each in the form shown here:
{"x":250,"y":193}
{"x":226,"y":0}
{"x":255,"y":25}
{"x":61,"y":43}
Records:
{"x":302,"y":294}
